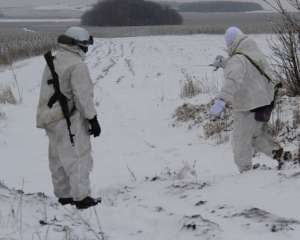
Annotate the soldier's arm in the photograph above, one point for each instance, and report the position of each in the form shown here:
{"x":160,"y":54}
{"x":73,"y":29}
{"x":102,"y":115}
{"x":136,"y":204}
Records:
{"x":83,"y":90}
{"x":234,"y":74}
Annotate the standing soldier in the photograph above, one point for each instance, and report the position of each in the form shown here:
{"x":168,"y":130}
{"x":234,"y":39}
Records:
{"x":67,"y":112}
{"x":249,"y":88}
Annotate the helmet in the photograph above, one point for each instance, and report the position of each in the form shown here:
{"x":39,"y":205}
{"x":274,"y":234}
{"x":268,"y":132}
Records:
{"x":80,"y":35}
{"x":77,"y":36}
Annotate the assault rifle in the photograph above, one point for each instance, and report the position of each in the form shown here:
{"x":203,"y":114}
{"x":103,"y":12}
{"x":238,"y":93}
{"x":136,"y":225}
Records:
{"x":58,"y":95}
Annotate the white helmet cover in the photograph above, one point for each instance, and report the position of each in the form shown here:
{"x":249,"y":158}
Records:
{"x":80,"y":35}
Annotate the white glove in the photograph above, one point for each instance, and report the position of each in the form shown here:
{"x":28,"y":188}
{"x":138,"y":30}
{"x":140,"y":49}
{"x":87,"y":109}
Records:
{"x":219,"y":62}
{"x":217,"y":108}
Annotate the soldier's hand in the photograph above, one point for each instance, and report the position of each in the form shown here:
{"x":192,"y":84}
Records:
{"x":219,"y":62}
{"x":217,"y":108}
{"x":95,"y":127}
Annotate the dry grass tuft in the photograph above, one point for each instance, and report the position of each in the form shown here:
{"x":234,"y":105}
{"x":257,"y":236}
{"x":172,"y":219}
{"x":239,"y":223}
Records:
{"x":214,"y":128}
{"x":198,"y":115}
{"x":7,"y":96}
{"x":191,"y":89}
{"x":189,"y":112}
{"x":192,"y":86}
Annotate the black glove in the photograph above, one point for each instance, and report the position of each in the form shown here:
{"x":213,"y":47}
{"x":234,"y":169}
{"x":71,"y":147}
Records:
{"x":95,"y":127}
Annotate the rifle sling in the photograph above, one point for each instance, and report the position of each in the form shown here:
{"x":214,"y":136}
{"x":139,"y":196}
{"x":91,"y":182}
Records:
{"x":276,"y":88}
{"x":255,"y":65}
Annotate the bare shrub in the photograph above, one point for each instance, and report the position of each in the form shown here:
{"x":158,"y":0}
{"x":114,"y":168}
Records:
{"x":277,"y":126}
{"x":296,"y":117}
{"x":276,"y":123}
{"x":286,"y":49}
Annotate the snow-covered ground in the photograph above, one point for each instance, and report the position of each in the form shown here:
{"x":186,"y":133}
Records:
{"x":158,"y":180}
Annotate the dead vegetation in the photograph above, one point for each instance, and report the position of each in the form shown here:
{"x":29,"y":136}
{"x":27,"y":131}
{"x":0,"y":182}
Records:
{"x":284,"y":123}
{"x":198,"y":116}
{"x":286,"y":48}
{"x":285,"y":120}
{"x":192,"y":86}
{"x":16,"y":45}
{"x":190,"y":89}
{"x":7,"y":96}
{"x":189,"y":112}
{"x":216,"y":128}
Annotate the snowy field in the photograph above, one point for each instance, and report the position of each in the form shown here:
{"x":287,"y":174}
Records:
{"x":266,"y":4}
{"x":158,"y":180}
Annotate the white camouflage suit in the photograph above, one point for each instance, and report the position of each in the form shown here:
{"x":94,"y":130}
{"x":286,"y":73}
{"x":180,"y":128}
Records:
{"x":246,"y":89}
{"x":70,"y":166}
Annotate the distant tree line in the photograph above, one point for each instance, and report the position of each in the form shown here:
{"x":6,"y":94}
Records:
{"x":224,"y":6}
{"x":130,"y":13}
